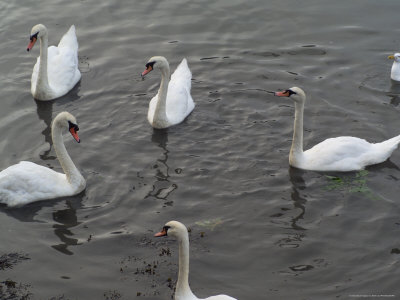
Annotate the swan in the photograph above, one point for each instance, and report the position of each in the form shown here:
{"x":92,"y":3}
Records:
{"x":27,"y":182}
{"x":56,"y":70}
{"x":173,"y":102}
{"x":344,"y":153}
{"x":183,"y":291}
{"x":395,"y":73}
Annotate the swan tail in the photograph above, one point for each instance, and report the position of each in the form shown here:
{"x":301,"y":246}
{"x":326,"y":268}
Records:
{"x":390,"y":145}
{"x":69,"y":39}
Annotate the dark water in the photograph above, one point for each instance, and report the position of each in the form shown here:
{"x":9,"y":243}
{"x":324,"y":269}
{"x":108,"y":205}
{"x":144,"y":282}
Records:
{"x":260,"y":229}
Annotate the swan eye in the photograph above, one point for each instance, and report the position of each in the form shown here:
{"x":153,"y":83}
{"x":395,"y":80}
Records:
{"x":150,"y":64}
{"x":34,"y":36}
{"x":165,"y":228}
{"x":72,"y":125}
{"x":290,"y":92}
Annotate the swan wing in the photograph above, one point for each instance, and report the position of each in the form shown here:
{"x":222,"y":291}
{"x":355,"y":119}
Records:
{"x":69,"y":40}
{"x":220,"y":297}
{"x":179,"y":100}
{"x":27,"y":182}
{"x":63,"y":72}
{"x":344,"y":154}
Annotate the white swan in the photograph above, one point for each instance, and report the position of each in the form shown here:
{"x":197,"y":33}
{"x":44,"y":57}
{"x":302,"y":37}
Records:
{"x":395,"y":72}
{"x":344,"y":153}
{"x":27,"y":182}
{"x":173,"y":102}
{"x":56,"y":70}
{"x":183,"y":291}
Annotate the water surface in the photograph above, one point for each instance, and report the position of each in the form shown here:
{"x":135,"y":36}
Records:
{"x":259,"y":228}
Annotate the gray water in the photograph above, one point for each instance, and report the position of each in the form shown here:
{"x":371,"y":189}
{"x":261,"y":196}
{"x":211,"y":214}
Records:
{"x":259,"y":228}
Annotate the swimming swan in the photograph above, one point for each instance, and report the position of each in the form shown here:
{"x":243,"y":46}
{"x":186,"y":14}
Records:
{"x":183,"y":291}
{"x":344,"y":153}
{"x":56,"y":70}
{"x":395,"y":72}
{"x":173,"y":102}
{"x":27,"y":182}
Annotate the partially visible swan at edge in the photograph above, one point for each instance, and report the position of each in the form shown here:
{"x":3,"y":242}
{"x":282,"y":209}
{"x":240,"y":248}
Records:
{"x":56,"y":70}
{"x":173,"y":102}
{"x":27,"y":182}
{"x":183,"y":291}
{"x":344,"y":153}
{"x":395,"y":72}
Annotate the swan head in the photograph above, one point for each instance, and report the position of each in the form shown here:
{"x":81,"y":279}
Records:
{"x":173,"y":228}
{"x":66,"y":120}
{"x":395,"y":56}
{"x":156,"y":62}
{"x":37,"y":32}
{"x":295,"y":93}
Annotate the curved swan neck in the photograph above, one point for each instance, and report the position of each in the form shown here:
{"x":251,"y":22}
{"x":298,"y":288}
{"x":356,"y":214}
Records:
{"x":161,"y":108}
{"x":297,"y":143}
{"x":42,"y":76}
{"x":182,"y":285}
{"x":70,"y":170}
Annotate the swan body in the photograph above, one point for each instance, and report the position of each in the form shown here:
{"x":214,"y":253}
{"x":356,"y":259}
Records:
{"x":173,"y":102}
{"x":395,"y":72}
{"x":183,"y":291}
{"x":27,"y":182}
{"x":344,"y":153}
{"x":56,"y":70}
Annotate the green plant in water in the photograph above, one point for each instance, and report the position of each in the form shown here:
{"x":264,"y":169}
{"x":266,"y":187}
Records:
{"x":210,"y":224}
{"x":353,"y":184}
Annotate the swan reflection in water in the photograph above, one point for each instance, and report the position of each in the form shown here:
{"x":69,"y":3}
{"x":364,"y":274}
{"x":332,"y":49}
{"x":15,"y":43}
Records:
{"x":297,"y":213}
{"x":299,"y":202}
{"x":66,"y":219}
{"x":162,"y":187}
{"x":44,"y":110}
{"x":394,"y":93}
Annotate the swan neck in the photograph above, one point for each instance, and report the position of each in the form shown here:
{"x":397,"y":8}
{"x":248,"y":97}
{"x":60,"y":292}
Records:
{"x":42,"y":76}
{"x":182,"y":285}
{"x":297,"y":142}
{"x":72,"y":173}
{"x":395,"y":71}
{"x":161,"y":108}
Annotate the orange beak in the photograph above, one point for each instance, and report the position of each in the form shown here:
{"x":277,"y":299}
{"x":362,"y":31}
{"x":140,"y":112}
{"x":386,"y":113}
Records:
{"x":161,"y":233}
{"x":148,"y":70}
{"x":74,"y":134}
{"x":31,"y":44}
{"x":282,"y":94}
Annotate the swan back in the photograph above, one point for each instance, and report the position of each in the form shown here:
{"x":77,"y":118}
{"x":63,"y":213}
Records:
{"x":179,"y":88}
{"x":63,"y":63}
{"x":69,"y":40}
